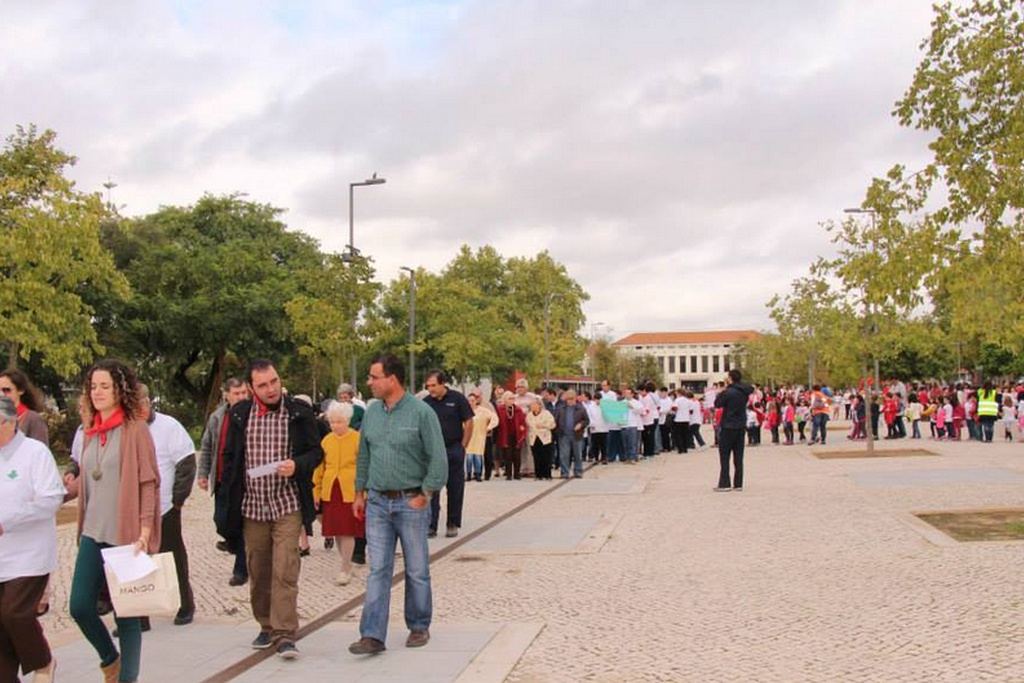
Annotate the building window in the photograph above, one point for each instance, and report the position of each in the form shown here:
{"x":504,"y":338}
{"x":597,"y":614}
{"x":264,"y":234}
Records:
{"x":671,"y":365}
{"x":714,"y":364}
{"x":725,"y":366}
{"x":672,"y":385}
{"x":682,"y":365}
{"x":703,"y":363}
{"x":693,"y":364}
{"x":661,"y":363}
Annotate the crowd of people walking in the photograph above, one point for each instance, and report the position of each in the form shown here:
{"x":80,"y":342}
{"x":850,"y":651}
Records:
{"x":371,"y":473}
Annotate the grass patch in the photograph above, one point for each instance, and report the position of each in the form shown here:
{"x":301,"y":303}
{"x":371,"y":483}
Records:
{"x":978,"y":525}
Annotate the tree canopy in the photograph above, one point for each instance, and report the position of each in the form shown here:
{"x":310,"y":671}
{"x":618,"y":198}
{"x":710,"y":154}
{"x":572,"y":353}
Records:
{"x":51,"y":256}
{"x":932,"y":268}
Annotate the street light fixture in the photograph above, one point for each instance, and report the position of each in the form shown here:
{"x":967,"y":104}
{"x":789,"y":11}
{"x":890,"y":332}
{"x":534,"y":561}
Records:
{"x":350,"y":255}
{"x":869,"y":431}
{"x":547,"y":332}
{"x":372,"y":180}
{"x":412,"y":327}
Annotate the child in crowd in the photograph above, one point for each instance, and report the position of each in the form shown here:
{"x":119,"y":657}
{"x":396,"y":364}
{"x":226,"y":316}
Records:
{"x":774,"y":419}
{"x":788,"y":418}
{"x":1009,"y":416}
{"x":914,"y":415}
{"x":753,"y":428}
{"x":802,"y":413}
{"x":947,"y":412}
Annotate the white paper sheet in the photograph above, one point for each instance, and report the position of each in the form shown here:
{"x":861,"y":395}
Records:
{"x":263,"y":470}
{"x":126,"y":565}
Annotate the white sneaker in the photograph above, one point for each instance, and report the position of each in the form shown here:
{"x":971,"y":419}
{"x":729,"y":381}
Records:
{"x":343,"y":579}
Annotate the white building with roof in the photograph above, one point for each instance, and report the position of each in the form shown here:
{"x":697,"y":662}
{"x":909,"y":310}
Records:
{"x":690,"y":360}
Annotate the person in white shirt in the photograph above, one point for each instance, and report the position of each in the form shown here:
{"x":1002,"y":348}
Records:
{"x":664,"y":424}
{"x":598,"y":431}
{"x":681,"y":424}
{"x":30,"y":494}
{"x":176,"y":459}
{"x":696,"y":418}
{"x":631,"y":432}
{"x":649,"y":417}
{"x":615,"y":446}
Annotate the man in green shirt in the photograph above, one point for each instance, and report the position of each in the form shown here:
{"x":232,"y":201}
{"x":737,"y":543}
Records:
{"x":402,"y":464}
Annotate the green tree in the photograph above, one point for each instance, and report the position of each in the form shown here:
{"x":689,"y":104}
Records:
{"x":210,"y":286}
{"x":968,"y":93}
{"x":483,"y":316}
{"x":51,"y":256}
{"x":324,"y":313}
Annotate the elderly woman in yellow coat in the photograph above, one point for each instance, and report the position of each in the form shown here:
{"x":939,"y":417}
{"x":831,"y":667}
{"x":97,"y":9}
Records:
{"x":334,"y":486}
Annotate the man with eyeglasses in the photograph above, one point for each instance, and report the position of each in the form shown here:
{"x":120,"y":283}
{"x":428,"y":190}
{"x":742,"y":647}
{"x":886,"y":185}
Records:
{"x":402,"y":465}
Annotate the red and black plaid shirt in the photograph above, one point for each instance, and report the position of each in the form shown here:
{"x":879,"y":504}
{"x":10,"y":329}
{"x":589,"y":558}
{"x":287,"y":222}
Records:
{"x":266,"y":440}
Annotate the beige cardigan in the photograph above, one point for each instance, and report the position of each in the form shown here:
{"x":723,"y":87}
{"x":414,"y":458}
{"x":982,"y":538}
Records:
{"x":539,"y":426}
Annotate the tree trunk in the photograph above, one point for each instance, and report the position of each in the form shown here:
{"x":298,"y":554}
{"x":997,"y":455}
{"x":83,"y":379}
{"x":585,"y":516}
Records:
{"x":213,"y":384}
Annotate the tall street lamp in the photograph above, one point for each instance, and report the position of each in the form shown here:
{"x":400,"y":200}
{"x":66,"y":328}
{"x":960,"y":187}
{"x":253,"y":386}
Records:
{"x":869,"y":432}
{"x":547,"y":332}
{"x":350,"y":255}
{"x":412,"y":327}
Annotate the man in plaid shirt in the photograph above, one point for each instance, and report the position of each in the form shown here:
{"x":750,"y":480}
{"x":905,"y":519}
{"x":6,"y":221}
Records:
{"x":271,"y":431}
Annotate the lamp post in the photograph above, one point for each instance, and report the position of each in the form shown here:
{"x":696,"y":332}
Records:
{"x":412,"y":327}
{"x":869,"y":432}
{"x":547,"y":333}
{"x":349,"y":256}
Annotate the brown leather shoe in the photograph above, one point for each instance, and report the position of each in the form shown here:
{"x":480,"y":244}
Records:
{"x":112,"y":671}
{"x":366,"y":646}
{"x":417,"y":638}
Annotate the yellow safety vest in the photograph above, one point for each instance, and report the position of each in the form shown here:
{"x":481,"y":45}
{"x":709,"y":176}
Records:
{"x":987,"y":403}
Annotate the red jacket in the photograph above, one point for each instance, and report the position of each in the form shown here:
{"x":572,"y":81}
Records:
{"x":511,"y":429}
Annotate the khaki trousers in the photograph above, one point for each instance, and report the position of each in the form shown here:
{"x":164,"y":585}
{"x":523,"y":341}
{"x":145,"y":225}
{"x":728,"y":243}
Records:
{"x":272,"y":555}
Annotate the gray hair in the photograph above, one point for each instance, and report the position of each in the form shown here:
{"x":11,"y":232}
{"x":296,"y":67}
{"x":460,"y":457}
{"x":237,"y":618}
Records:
{"x":346,"y":388}
{"x":338,"y":409}
{"x":8,"y":411}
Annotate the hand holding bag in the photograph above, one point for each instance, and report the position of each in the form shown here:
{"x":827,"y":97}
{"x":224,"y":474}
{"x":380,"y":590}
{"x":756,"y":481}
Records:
{"x":154,"y":595}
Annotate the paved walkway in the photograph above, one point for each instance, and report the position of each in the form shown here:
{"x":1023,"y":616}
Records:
{"x":817,"y":571}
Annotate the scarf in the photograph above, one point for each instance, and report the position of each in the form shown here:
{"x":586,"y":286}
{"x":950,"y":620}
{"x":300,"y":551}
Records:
{"x":101,"y":426}
{"x":22,"y":410}
{"x":262,"y":408}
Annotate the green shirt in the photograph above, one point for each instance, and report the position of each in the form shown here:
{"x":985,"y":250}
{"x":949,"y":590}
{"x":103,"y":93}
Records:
{"x":401,"y":448}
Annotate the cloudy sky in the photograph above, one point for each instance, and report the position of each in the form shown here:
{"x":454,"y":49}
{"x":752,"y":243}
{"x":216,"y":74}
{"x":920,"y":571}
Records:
{"x":676,"y":155}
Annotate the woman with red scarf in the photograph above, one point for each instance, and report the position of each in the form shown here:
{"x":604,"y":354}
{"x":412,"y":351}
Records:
{"x":118,"y":504}
{"x":15,"y":385}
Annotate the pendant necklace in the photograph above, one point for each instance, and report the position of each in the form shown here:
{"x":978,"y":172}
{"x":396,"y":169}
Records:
{"x":97,"y":473}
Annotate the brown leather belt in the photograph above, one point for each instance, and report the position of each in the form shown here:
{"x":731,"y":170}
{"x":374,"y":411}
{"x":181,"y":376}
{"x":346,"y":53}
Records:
{"x":401,"y":493}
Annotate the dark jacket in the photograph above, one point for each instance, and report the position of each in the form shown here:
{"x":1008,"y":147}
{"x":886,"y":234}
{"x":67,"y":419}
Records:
{"x":306,"y":452}
{"x":579,"y":417}
{"x":733,"y":402}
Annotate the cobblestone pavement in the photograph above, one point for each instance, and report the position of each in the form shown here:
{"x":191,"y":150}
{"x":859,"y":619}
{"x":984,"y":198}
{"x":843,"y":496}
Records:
{"x":809,"y":574}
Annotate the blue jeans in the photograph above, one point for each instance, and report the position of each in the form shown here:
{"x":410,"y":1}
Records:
{"x":474,"y":465}
{"x":819,"y":425}
{"x":389,"y":521}
{"x":570,"y":448}
{"x":615,"y":445}
{"x":630,"y":442}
